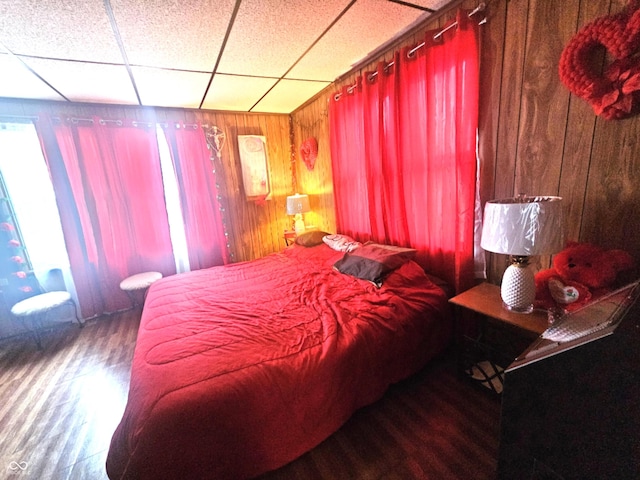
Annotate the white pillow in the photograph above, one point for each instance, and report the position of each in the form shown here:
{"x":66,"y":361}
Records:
{"x":341,"y":243}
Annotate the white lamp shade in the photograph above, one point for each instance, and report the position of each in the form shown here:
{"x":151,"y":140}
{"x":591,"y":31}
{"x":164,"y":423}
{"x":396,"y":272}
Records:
{"x":298,"y":204}
{"x":523,"y":226}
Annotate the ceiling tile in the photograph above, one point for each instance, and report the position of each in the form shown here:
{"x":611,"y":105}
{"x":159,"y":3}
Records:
{"x":17,"y":81}
{"x":288,"y":95}
{"x":337,"y":51}
{"x":269,"y":36}
{"x":167,"y":88}
{"x":173,"y":47}
{"x":87,"y":82}
{"x":431,"y":4}
{"x":238,"y":93}
{"x":177,"y":35}
{"x":64,"y":29}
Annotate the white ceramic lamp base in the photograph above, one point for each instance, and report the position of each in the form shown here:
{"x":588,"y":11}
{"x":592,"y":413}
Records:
{"x":518,"y":289}
{"x":298,"y":225}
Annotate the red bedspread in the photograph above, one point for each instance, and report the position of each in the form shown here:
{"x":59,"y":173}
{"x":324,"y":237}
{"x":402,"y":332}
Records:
{"x":240,"y":369}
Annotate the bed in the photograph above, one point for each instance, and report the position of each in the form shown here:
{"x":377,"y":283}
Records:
{"x":240,"y":369}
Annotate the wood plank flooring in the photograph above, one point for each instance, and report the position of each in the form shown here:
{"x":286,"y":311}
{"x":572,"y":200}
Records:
{"x":60,"y":405}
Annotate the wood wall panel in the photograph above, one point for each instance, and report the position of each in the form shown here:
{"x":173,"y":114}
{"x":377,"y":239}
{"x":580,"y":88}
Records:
{"x":492,"y":43}
{"x":318,"y":182}
{"x":581,"y":124}
{"x":543,"y":107}
{"x":511,"y":95}
{"x":612,"y":202}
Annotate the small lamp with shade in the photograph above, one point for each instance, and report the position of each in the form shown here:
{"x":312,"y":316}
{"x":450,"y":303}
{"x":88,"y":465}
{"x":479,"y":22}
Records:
{"x":522,"y":227}
{"x":297,"y":205}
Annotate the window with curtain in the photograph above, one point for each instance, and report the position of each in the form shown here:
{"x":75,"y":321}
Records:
{"x":31,"y":241}
{"x":403,"y":148}
{"x":124,"y":205}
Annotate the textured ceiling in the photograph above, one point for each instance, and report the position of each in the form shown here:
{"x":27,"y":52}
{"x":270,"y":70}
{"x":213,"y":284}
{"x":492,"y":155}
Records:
{"x":239,"y":55}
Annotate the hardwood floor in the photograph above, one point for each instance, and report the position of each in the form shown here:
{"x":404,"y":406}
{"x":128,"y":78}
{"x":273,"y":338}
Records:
{"x":60,"y":405}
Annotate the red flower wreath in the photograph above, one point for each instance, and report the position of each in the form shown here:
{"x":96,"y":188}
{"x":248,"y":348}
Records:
{"x":623,"y":99}
{"x":616,"y":93}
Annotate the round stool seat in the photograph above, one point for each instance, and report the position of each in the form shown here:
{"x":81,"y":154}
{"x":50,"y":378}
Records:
{"x":40,"y":303}
{"x":139,"y":281}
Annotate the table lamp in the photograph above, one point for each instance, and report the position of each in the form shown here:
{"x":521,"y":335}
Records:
{"x":297,"y":205}
{"x":522,"y":227}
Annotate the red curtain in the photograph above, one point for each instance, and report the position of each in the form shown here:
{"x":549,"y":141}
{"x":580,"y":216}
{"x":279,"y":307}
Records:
{"x":403,"y":147}
{"x":206,"y":241}
{"x":110,"y":194}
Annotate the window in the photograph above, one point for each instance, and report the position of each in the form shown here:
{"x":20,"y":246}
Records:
{"x":31,"y":195}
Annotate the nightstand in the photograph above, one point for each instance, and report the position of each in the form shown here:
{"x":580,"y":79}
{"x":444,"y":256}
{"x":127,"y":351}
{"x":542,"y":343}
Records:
{"x":488,"y":336}
{"x":289,"y":237}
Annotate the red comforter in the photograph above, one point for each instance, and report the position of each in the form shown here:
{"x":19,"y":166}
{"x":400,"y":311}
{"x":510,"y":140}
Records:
{"x":240,"y":369}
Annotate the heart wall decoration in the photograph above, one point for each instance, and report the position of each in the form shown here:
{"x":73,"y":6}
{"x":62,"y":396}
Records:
{"x":614,"y":93}
{"x":309,"y":152}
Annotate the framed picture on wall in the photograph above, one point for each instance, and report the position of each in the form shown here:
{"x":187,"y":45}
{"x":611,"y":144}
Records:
{"x":255,"y":172}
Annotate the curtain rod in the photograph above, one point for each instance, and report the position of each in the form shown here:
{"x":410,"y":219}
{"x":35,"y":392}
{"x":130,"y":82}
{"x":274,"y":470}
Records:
{"x":104,"y":121}
{"x":480,"y":8}
{"x":20,"y":117}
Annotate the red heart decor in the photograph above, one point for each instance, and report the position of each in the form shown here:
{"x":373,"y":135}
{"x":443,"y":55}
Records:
{"x":309,"y":152}
{"x":615,"y":94}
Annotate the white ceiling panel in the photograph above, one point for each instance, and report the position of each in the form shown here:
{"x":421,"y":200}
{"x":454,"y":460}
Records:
{"x":17,"y":81}
{"x":433,"y":5}
{"x":170,"y":88}
{"x":269,"y":36}
{"x":87,"y":82}
{"x":240,"y":55}
{"x":237,"y":93}
{"x":62,"y":29}
{"x":176,"y":35}
{"x":288,"y":95}
{"x":337,"y":51}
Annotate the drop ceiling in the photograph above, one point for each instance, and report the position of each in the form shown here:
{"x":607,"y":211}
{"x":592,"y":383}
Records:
{"x":237,"y":55}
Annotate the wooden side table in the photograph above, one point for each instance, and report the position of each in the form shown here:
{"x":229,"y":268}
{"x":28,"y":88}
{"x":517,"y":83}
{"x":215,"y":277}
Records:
{"x":289,"y":237}
{"x":485,"y":299}
{"x":494,"y":349}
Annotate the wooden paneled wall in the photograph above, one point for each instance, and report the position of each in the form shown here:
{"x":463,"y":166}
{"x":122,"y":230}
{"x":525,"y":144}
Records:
{"x":312,"y":121}
{"x":254,"y":229}
{"x":535,"y":137}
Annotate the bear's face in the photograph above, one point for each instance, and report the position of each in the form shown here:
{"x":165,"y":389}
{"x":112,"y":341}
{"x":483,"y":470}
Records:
{"x":591,"y":265}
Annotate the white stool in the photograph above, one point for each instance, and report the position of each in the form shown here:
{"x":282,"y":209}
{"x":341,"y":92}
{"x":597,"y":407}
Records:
{"x":37,"y":309}
{"x":139,"y":282}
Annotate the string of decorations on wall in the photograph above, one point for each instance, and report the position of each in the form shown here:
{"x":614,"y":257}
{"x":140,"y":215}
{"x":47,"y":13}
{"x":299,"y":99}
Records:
{"x":292,"y":154}
{"x":614,"y":94}
{"x":318,"y":120}
{"x":216,"y":139}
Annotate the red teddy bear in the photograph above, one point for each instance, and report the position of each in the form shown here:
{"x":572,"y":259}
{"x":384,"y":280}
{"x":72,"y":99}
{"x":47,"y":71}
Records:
{"x":581,"y":273}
